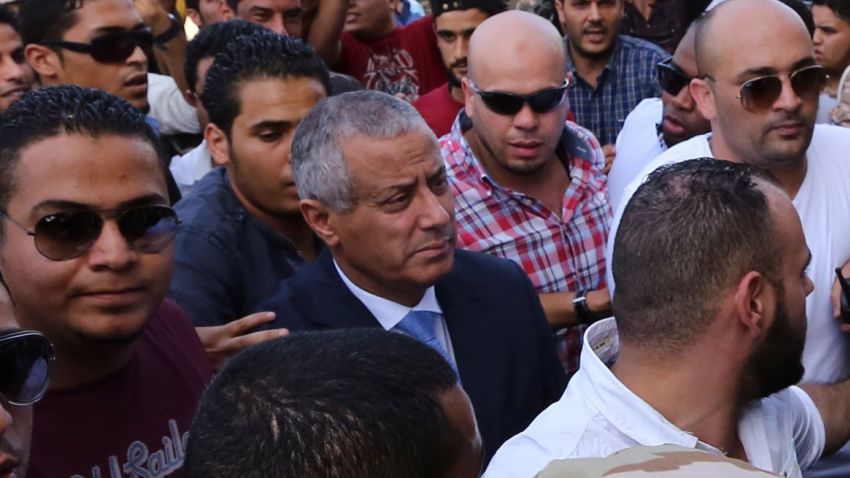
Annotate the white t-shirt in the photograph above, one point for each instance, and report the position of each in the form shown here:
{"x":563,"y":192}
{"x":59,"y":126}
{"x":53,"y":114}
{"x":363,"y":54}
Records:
{"x":638,"y":143}
{"x":598,"y":415}
{"x":823,"y":203}
{"x":169,"y":107}
{"x":189,"y":168}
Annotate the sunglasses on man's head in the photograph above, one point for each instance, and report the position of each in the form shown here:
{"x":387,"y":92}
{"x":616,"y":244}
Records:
{"x":112,"y":47}
{"x":761,"y":93}
{"x":65,"y":235}
{"x":505,"y":103}
{"x":25,"y":358}
{"x":671,"y":78}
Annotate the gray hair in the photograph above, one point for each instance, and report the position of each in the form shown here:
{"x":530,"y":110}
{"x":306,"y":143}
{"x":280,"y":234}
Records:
{"x":318,"y":165}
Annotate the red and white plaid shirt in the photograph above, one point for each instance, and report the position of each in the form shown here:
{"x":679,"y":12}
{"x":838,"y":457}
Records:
{"x":559,"y":252}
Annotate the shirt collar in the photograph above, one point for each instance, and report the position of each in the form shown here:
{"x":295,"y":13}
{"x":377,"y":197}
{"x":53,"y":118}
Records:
{"x":387,"y":312}
{"x":620,"y":406}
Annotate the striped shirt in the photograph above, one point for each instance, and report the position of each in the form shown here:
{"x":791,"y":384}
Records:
{"x":629,"y":77}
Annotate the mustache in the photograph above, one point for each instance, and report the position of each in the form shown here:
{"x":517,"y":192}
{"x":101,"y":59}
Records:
{"x":459,"y":64}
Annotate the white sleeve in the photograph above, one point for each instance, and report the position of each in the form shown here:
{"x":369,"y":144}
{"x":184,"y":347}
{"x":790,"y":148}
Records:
{"x":169,"y":108}
{"x":807,"y":426}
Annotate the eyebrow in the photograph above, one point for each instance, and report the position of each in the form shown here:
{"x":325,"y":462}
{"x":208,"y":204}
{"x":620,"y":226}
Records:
{"x":259,"y":9}
{"x":269,"y":124}
{"x":751,"y":73}
{"x":117,"y":29}
{"x":66,"y":204}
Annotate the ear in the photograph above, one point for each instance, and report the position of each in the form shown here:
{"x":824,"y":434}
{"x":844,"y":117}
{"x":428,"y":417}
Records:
{"x":320,"y":218}
{"x":195,"y":16}
{"x":703,"y":95}
{"x":754,"y":304}
{"x":190,"y":98}
{"x":218,"y":143}
{"x":46,"y":62}
{"x":468,"y":94}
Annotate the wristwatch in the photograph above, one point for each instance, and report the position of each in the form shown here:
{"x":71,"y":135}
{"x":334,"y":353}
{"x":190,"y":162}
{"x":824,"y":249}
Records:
{"x":168,"y":35}
{"x":580,"y":305}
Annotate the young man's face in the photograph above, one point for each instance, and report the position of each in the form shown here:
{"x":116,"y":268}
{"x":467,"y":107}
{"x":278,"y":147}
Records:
{"x":591,"y":25}
{"x":15,"y":420}
{"x":104,"y":296}
{"x":126,"y":79}
{"x":16,"y":76}
{"x":283,"y":17}
{"x":210,"y":12}
{"x":453,"y":31}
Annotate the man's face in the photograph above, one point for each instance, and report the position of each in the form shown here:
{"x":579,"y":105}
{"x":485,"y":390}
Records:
{"x":15,"y":420}
{"x":398,"y":240}
{"x":16,"y":76}
{"x":105,"y":295}
{"x":210,"y":12}
{"x":453,"y":30}
{"x":591,"y":25}
{"x":458,"y":410}
{"x":682,"y":119}
{"x":127,"y":79}
{"x":777,"y":362}
{"x":260,"y":140}
{"x":369,"y":18}
{"x":832,"y":40}
{"x":280,"y":16}
{"x":775,"y":136}
{"x":523,"y":143}
{"x":194,"y":99}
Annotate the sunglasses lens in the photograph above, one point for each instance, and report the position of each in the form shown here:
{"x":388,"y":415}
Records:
{"x":149,"y":228}
{"x":64,"y":236}
{"x":546,"y":100}
{"x":24,"y":368}
{"x":761,"y":93}
{"x":502,"y":103}
{"x":671,"y":80}
{"x":113,"y":48}
{"x":808,"y":82}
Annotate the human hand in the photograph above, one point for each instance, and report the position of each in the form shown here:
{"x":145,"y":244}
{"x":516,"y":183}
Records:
{"x":610,"y":154}
{"x":224,"y":341}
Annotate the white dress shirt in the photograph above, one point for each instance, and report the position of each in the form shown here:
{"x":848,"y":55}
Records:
{"x":390,"y":313}
{"x":598,"y":416}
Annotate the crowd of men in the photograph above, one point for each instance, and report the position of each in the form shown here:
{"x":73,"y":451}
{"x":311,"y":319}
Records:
{"x":327,"y":238}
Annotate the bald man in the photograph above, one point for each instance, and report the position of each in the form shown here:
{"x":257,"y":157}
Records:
{"x":528,"y":184}
{"x":759,"y":90}
{"x":656,"y":124}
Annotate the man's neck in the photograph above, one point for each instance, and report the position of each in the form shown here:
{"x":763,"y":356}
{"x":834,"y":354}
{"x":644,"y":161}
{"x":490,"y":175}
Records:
{"x":456,"y":92}
{"x":588,"y":69}
{"x":697,"y":399}
{"x":547,"y":185}
{"x":385,"y":29}
{"x":291,"y":226}
{"x":789,"y":177}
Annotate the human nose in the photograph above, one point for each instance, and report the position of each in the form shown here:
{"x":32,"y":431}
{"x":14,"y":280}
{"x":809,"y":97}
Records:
{"x":138,"y":57}
{"x":435,"y":214}
{"x":525,"y":118}
{"x":788,"y":99}
{"x":277,"y":25}
{"x":594,"y":12}
{"x":12,"y":70}
{"x":111,"y":249}
{"x":461,"y":47}
{"x":683,"y":100}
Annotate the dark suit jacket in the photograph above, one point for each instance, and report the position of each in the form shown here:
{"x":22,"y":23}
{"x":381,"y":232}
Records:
{"x":504,"y":348}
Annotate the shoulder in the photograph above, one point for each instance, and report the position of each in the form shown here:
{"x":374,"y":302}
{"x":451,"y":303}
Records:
{"x":210,"y":206}
{"x":637,"y":46}
{"x":483,"y":265}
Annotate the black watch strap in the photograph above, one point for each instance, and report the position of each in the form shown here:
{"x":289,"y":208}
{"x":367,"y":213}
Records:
{"x":169,"y":34}
{"x":580,"y":305}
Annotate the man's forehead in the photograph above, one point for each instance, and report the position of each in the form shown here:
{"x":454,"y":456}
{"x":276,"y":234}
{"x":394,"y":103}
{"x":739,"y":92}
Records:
{"x":106,"y":14}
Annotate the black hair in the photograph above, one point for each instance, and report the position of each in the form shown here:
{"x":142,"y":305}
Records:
{"x":352,"y":403}
{"x":43,"y":20}
{"x":840,"y":8}
{"x":63,"y":109}
{"x":260,"y":56}
{"x":8,"y":17}
{"x":194,"y":5}
{"x":689,"y":232}
{"x":805,"y":13}
{"x":212,"y":40}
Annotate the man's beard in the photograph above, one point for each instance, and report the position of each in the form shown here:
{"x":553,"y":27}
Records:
{"x":454,"y":81}
{"x":778,"y":362}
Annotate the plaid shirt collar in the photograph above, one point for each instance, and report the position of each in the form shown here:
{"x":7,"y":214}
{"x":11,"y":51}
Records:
{"x":610,"y":67}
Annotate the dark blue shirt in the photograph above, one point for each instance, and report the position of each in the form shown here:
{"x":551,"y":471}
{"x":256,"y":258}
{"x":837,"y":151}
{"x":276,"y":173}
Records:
{"x":629,"y":77}
{"x":225,"y":260}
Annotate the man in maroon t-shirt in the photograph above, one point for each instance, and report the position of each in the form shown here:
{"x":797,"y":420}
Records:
{"x":454,"y":22}
{"x":402,"y":61}
{"x":86,"y":250}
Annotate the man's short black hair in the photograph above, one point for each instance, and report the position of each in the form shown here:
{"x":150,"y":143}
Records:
{"x":805,"y":13}
{"x":43,"y":20}
{"x":690,"y":232}
{"x":212,"y":40}
{"x":64,"y":109}
{"x":490,"y":7}
{"x":840,"y":8}
{"x":263,"y":55}
{"x":194,"y":5}
{"x":8,"y":17}
{"x":352,"y":403}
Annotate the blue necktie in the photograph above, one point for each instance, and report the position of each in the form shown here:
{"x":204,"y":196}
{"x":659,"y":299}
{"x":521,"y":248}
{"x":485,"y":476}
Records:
{"x":419,"y":324}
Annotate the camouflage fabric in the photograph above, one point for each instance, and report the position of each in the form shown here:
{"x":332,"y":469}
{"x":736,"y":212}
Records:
{"x":666,"y":461}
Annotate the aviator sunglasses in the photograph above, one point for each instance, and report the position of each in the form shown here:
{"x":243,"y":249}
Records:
{"x":25,"y":357}
{"x":112,"y":47}
{"x":671,"y":78}
{"x":761,"y":93}
{"x":504,"y":103}
{"x":65,"y":235}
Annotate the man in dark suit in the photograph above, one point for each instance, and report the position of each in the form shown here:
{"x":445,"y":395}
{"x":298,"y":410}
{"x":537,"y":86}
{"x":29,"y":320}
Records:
{"x":373,"y":187}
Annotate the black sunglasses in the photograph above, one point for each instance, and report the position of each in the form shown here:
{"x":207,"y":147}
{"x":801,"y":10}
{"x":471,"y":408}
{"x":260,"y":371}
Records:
{"x":761,"y":93}
{"x":66,"y":235}
{"x":504,"y":103}
{"x":112,"y":47}
{"x":25,"y":357}
{"x":671,"y":78}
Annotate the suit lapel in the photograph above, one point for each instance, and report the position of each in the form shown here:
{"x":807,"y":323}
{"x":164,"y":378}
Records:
{"x":339,"y":307}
